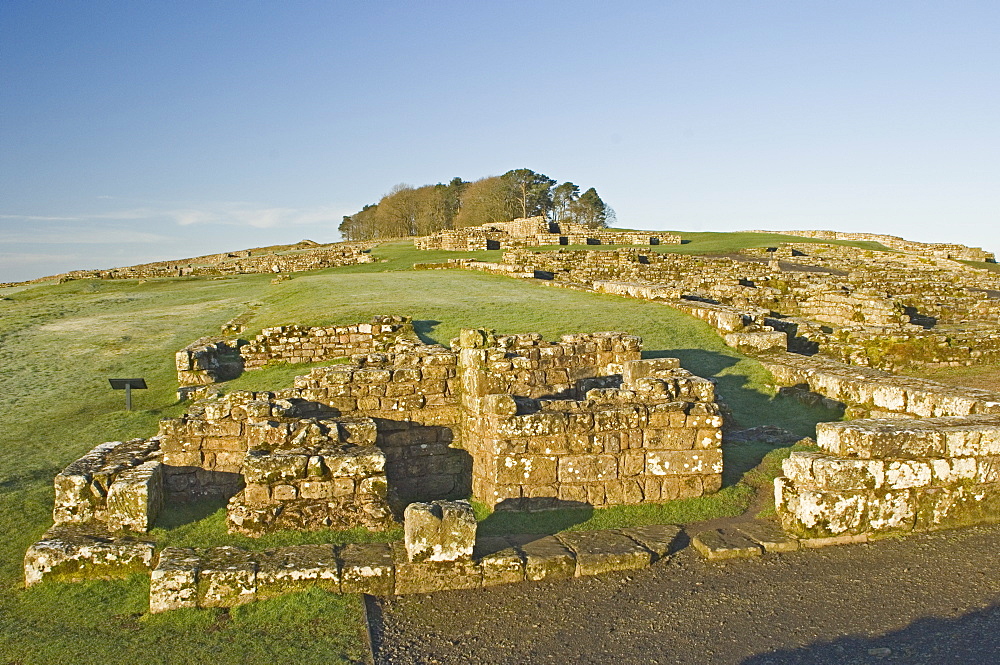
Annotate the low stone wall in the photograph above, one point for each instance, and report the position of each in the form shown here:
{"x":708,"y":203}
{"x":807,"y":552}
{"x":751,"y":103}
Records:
{"x":117,"y":484}
{"x":78,"y":552}
{"x":210,"y":360}
{"x":878,"y":476}
{"x":942,"y":250}
{"x":536,"y":232}
{"x":300,"y":344}
{"x":326,"y":486}
{"x":874,"y":392}
{"x":656,"y":439}
{"x":228,"y":576}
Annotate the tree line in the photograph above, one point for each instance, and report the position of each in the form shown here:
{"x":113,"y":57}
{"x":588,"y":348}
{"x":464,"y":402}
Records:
{"x":419,"y":211}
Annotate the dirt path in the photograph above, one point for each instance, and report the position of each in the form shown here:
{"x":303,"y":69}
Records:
{"x":932,"y":598}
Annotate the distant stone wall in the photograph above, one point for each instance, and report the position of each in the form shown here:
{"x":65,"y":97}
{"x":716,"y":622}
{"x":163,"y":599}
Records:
{"x":236,"y":263}
{"x":536,"y":232}
{"x":942,"y":250}
{"x":893,"y":476}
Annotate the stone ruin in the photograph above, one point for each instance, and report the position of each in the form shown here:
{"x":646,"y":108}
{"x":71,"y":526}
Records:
{"x":536,"y":232}
{"x":305,"y":255}
{"x":518,"y":422}
{"x":405,"y":431}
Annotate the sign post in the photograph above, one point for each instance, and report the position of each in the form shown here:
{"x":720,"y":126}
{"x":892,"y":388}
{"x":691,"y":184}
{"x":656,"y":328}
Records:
{"x":127,"y":385}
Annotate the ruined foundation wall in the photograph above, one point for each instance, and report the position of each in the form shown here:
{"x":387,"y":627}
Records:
{"x":210,"y":360}
{"x":893,"y":476}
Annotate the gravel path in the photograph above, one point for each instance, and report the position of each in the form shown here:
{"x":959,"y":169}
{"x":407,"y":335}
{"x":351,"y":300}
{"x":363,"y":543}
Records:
{"x":931,"y":598}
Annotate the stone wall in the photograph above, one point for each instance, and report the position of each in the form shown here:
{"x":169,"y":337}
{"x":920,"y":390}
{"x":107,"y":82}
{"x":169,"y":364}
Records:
{"x":279,"y":259}
{"x":117,"y":484}
{"x":873,"y":392}
{"x":544,"y":433}
{"x":940,"y":250}
{"x":878,"y":476}
{"x":536,"y":232}
{"x":209,"y":360}
{"x":333,"y":478}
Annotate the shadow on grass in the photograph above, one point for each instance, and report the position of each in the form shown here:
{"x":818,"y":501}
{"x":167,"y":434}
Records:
{"x":749,"y":406}
{"x":424,"y":328}
{"x":538,"y":522}
{"x":176,"y":514}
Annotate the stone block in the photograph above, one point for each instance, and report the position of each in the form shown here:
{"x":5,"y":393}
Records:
{"x":135,"y":497}
{"x":431,"y":576}
{"x":295,"y":568}
{"x":660,"y":539}
{"x":599,"y":552}
{"x":587,"y":468}
{"x":173,"y":584}
{"x":439,"y":531}
{"x":725,"y":543}
{"x":545,"y":558}
{"x":267,"y":467}
{"x":525,"y":470}
{"x":367,"y":568}
{"x":499,"y":561}
{"x":768,"y":535}
{"x":227,"y":577}
{"x":695,"y":462}
{"x":72,"y":553}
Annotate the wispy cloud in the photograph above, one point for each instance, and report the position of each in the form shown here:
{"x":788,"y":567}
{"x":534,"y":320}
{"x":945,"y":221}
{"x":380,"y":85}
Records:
{"x":221,"y":213}
{"x":260,"y":217}
{"x":78,"y":236}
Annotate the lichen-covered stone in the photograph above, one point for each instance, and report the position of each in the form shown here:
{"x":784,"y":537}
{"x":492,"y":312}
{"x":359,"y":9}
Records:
{"x":500,"y":562}
{"x":439,"y":531}
{"x":174,"y":582}
{"x":227,"y":577}
{"x":598,"y":552}
{"x":367,"y":568}
{"x":72,"y":553}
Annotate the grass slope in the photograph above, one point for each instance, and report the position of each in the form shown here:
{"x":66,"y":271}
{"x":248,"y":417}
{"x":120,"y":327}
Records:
{"x":60,"y":343}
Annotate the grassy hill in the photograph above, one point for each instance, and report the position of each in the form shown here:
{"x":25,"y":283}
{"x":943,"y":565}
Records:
{"x":60,"y":343}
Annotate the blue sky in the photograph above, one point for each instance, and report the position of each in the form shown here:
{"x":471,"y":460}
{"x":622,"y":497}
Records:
{"x":135,"y":131}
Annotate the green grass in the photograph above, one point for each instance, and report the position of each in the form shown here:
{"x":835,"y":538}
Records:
{"x":59,"y":344}
{"x":729,"y":502}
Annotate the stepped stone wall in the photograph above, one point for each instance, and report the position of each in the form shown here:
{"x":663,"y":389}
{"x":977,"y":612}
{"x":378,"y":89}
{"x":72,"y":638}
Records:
{"x":893,"y":475}
{"x":651,"y":433}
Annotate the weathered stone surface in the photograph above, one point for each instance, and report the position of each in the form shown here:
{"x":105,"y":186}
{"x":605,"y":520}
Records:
{"x":117,"y":483}
{"x":545,"y":558}
{"x":660,"y":539}
{"x":500,"y":562}
{"x":768,"y":535}
{"x":725,"y":544}
{"x":599,"y":552}
{"x":285,"y":569}
{"x":367,"y":568}
{"x":72,"y":553}
{"x":439,"y":531}
{"x":174,"y":582}
{"x":227,"y":576}
{"x":430,"y":576}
